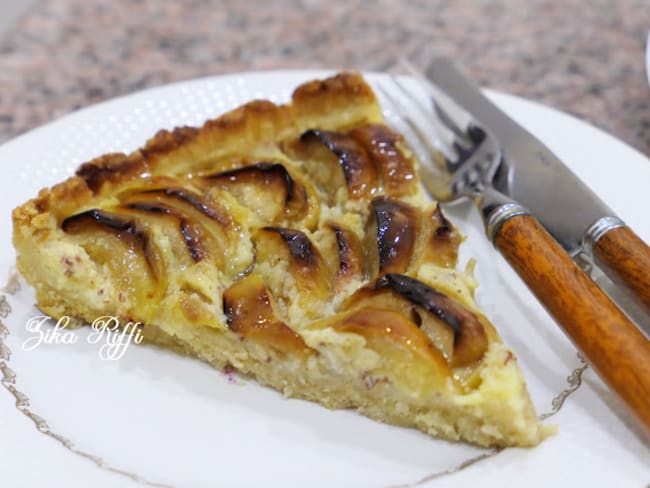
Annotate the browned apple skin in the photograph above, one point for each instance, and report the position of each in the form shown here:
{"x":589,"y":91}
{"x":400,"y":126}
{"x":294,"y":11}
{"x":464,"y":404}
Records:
{"x":394,"y":168}
{"x":359,"y":171}
{"x":441,"y":240}
{"x":305,"y":261}
{"x":321,"y":166}
{"x":205,"y":228}
{"x":123,"y":227}
{"x":350,"y":254}
{"x":192,"y":200}
{"x":264,"y":174}
{"x":300,"y":248}
{"x":249,"y":312}
{"x":433,"y":310}
{"x":190,"y":233}
{"x":395,"y":230}
{"x":279,"y":197}
{"x":401,"y":344}
{"x":123,"y":247}
{"x":438,"y":332}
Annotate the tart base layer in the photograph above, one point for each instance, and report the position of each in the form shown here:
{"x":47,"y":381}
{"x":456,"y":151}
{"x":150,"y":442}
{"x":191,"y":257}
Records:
{"x":293,"y":244}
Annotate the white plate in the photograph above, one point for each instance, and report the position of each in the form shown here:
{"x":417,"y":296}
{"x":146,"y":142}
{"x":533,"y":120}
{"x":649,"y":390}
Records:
{"x":174,"y":420}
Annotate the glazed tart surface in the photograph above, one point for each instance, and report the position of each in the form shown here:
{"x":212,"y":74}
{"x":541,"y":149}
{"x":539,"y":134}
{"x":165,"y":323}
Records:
{"x":294,"y":244}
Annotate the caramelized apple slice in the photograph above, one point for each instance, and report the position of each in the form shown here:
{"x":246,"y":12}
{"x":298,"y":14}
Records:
{"x":124,"y":228}
{"x":187,"y":199}
{"x":249,"y":311}
{"x":268,"y":189}
{"x":408,"y":358}
{"x":391,"y":236}
{"x":349,"y":255}
{"x":470,"y":336}
{"x":190,"y":233}
{"x":124,"y":247}
{"x":320,"y":165}
{"x":440,"y":333}
{"x":359,"y":171}
{"x":438,"y":242}
{"x":207,"y":229}
{"x":395,"y":169}
{"x":441,"y":318}
{"x":305,"y":263}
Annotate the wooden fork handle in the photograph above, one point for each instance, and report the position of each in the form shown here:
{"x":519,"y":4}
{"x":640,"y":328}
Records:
{"x":626,"y":259}
{"x":614,"y":346}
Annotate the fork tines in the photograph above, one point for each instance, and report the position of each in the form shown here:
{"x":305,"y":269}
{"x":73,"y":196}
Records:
{"x":450,"y":143}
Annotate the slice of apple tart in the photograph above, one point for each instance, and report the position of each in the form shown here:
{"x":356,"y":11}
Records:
{"x":291,"y":243}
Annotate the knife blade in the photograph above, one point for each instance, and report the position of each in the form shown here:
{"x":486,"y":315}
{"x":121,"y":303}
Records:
{"x":535,"y":177}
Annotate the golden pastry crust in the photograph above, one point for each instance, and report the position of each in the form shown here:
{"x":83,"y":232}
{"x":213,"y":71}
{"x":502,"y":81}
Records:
{"x":294,"y":244}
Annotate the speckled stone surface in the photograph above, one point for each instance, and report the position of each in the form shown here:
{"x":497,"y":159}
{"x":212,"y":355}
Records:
{"x":583,"y":57}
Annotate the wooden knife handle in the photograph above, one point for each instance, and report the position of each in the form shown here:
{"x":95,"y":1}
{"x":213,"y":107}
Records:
{"x":626,"y":260}
{"x":614,"y":346}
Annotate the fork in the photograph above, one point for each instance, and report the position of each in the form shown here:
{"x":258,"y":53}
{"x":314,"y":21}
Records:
{"x":460,"y":159}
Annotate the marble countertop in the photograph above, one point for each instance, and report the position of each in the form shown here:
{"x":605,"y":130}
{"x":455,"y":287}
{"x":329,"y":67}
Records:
{"x":581,"y":57}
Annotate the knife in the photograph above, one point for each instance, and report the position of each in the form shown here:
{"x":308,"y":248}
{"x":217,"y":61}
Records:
{"x":533,"y":176}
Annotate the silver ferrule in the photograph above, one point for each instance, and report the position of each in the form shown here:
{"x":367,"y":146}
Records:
{"x":500,"y":215}
{"x":597,"y":230}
